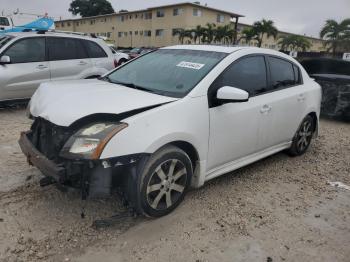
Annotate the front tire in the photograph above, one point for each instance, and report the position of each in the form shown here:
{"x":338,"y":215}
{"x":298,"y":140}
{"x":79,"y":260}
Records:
{"x":164,"y":181}
{"x":303,"y":136}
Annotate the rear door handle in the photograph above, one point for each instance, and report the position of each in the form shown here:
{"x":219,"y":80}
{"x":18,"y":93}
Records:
{"x":301,"y":98}
{"x":82,"y":63}
{"x":265,"y":109}
{"x":41,"y":67}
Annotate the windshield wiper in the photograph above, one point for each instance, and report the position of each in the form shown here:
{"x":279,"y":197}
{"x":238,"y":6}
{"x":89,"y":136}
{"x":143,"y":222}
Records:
{"x":132,"y":85}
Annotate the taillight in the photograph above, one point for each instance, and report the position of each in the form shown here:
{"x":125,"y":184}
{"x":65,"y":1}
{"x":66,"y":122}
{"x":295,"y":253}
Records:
{"x":116,"y":63}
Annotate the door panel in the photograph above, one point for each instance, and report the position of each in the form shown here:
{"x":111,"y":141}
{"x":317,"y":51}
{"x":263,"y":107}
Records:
{"x":68,"y":58}
{"x":235,"y":128}
{"x":234,"y":131}
{"x":27,"y":70}
{"x":286,"y":103}
{"x":21,"y":80}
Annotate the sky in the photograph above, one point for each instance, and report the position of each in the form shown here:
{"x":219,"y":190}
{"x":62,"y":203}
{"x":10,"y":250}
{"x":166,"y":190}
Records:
{"x":296,"y":16}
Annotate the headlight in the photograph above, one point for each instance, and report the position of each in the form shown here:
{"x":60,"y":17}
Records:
{"x":89,"y":142}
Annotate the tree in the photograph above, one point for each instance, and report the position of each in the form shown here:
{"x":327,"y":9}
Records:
{"x":337,"y":35}
{"x":294,"y":43}
{"x":209,"y":33}
{"x":87,"y":8}
{"x":182,"y":33}
{"x":224,"y":34}
{"x":262,"y":28}
{"x":198,"y":33}
{"x":248,"y":34}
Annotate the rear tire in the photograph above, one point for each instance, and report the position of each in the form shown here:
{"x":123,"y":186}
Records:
{"x":164,"y":181}
{"x":303,"y":136}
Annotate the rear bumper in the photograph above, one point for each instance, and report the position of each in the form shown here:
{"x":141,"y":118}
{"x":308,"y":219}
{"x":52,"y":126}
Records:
{"x":36,"y":158}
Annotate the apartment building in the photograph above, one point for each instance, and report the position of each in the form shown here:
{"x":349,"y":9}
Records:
{"x":156,"y":26}
{"x":149,"y":27}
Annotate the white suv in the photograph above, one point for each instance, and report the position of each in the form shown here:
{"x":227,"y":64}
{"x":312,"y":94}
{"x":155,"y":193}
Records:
{"x":29,"y":59}
{"x":169,"y":120}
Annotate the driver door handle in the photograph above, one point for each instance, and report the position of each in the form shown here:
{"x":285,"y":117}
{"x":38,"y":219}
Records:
{"x":82,"y":63}
{"x":41,"y":67}
{"x":265,"y":109}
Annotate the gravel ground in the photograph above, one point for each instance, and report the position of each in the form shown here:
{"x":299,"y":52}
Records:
{"x":279,"y":209}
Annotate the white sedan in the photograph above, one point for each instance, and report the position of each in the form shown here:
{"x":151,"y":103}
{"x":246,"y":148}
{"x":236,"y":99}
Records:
{"x":120,"y":58}
{"x":170,"y":120}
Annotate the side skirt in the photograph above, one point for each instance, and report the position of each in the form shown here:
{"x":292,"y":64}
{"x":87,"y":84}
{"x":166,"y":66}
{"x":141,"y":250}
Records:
{"x":228,"y":167}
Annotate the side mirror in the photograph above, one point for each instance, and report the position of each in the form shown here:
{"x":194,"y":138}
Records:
{"x":5,"y":60}
{"x":228,"y":94}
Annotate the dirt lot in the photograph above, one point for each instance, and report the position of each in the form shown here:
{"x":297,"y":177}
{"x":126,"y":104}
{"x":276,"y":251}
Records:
{"x":279,"y":209}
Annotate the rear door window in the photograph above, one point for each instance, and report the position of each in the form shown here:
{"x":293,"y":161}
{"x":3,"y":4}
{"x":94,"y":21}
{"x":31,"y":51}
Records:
{"x":282,"y":73}
{"x":66,"y":49}
{"x":94,"y":50}
{"x":248,"y":74}
{"x":28,"y":50}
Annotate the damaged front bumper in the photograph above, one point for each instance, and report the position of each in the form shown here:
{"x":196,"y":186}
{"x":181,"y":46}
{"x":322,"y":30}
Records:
{"x":95,"y":178}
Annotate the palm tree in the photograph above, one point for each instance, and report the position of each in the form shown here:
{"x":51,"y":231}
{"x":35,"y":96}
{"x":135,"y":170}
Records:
{"x":198,"y":33}
{"x":337,"y":35}
{"x":294,"y":43}
{"x":182,"y":33}
{"x":209,"y":33}
{"x":224,"y":34}
{"x":248,"y":34}
{"x":264,"y":27}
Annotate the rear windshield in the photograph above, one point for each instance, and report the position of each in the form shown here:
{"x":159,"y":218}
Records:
{"x":4,"y":39}
{"x":169,"y":72}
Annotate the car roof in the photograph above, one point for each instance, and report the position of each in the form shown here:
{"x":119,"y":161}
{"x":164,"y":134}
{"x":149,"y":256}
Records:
{"x":225,"y":49}
{"x":58,"y":34}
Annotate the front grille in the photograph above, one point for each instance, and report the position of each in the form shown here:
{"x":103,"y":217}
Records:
{"x":49,"y":138}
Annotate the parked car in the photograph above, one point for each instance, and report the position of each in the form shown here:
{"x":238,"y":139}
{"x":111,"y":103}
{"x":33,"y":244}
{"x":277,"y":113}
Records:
{"x":120,"y":57}
{"x":136,"y":52}
{"x":31,"y":58}
{"x":206,"y":111}
{"x":334,"y":77}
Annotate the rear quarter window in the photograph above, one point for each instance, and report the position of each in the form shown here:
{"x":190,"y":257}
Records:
{"x":94,"y":50}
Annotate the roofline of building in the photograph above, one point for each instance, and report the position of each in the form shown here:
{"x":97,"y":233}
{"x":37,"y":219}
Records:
{"x":153,"y":8}
{"x":289,"y":33}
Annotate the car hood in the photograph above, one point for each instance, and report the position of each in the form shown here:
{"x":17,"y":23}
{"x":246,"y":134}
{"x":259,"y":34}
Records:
{"x":64,"y":102}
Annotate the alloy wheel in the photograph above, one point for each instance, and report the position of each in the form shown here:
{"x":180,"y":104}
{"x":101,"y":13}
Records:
{"x":167,"y":184}
{"x":304,"y":136}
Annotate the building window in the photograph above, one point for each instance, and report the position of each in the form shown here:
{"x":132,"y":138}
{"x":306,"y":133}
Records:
{"x":109,"y":34}
{"x":148,"y":33}
{"x":120,"y":34}
{"x":136,"y":16}
{"x":160,"y":32}
{"x":68,"y":24}
{"x":130,"y":32}
{"x":220,"y":18}
{"x":141,"y":32}
{"x":62,"y":24}
{"x":136,"y":32}
{"x":148,"y":15}
{"x":160,"y":13}
{"x":197,"y":12}
{"x":125,"y":34}
{"x":130,"y":17}
{"x":177,"y":11}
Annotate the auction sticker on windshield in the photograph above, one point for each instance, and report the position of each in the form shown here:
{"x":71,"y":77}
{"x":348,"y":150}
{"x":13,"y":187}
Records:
{"x":190,"y":65}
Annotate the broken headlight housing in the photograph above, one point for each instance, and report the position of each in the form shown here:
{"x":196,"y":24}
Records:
{"x":89,"y":142}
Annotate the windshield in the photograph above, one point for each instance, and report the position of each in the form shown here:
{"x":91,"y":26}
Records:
{"x":169,"y":72}
{"x":4,"y":39}
{"x":4,"y":21}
